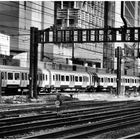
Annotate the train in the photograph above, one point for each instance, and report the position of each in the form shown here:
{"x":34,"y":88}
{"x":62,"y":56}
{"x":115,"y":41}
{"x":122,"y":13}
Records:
{"x":16,"y":80}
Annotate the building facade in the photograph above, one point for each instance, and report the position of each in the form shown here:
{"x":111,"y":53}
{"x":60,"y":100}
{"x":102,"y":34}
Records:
{"x":81,"y":14}
{"x":130,"y":64}
{"x":18,"y":16}
{"x":16,"y":19}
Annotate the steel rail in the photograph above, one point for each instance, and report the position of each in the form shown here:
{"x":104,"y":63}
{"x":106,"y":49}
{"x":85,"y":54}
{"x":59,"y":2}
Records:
{"x":25,"y":119}
{"x":91,"y":129}
{"x":132,"y":136}
{"x":93,"y":117}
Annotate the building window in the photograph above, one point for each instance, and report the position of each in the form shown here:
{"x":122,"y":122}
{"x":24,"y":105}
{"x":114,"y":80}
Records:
{"x":59,"y":21}
{"x":98,"y":65}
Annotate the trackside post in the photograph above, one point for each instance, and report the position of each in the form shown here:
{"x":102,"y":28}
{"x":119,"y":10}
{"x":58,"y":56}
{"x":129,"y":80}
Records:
{"x":58,"y":103}
{"x":33,"y":62}
{"x":0,"y":88}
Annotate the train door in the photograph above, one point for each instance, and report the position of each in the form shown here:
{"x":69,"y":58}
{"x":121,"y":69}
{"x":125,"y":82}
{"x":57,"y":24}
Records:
{"x":72,"y":84}
{"x":4,"y":78}
{"x":26,"y":80}
{"x":105,"y":82}
{"x":95,"y":80}
{"x":23,"y":82}
{"x":57,"y":81}
{"x":85,"y":80}
{"x":17,"y":78}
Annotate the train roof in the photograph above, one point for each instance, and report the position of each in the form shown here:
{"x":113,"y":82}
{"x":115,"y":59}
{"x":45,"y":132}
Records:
{"x":109,"y":74}
{"x":13,"y":67}
{"x":66,"y":71}
{"x":2,"y":67}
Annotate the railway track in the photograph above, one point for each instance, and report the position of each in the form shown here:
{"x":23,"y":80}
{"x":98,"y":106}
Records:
{"x":92,"y":129}
{"x":69,"y":120}
{"x":16,"y":111}
{"x":49,"y":114}
{"x":132,"y":136}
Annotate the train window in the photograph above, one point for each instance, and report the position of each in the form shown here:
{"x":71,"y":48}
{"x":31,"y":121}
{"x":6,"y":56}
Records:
{"x":67,"y":78}
{"x":43,"y":77}
{"x":26,"y":76}
{"x":46,"y":77}
{"x":70,"y":77}
{"x":80,"y":79}
{"x":135,"y":81}
{"x":2,"y":75}
{"x":73,"y":78}
{"x":53,"y":77}
{"x":16,"y":76}
{"x":62,"y":78}
{"x":125,"y":80}
{"x":128,"y":80}
{"x":112,"y":80}
{"x":57,"y":77}
{"x":102,"y":80}
{"x":10,"y":76}
{"x":76,"y":78}
{"x":22,"y":76}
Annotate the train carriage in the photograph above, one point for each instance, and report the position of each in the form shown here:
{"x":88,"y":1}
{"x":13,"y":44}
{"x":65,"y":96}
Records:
{"x":69,"y":79}
{"x":108,"y":82}
{"x":13,"y":78}
{"x":16,"y":79}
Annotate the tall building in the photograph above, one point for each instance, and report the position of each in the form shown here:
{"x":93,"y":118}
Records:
{"x":16,"y":19}
{"x":81,"y":14}
{"x":131,"y":14}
